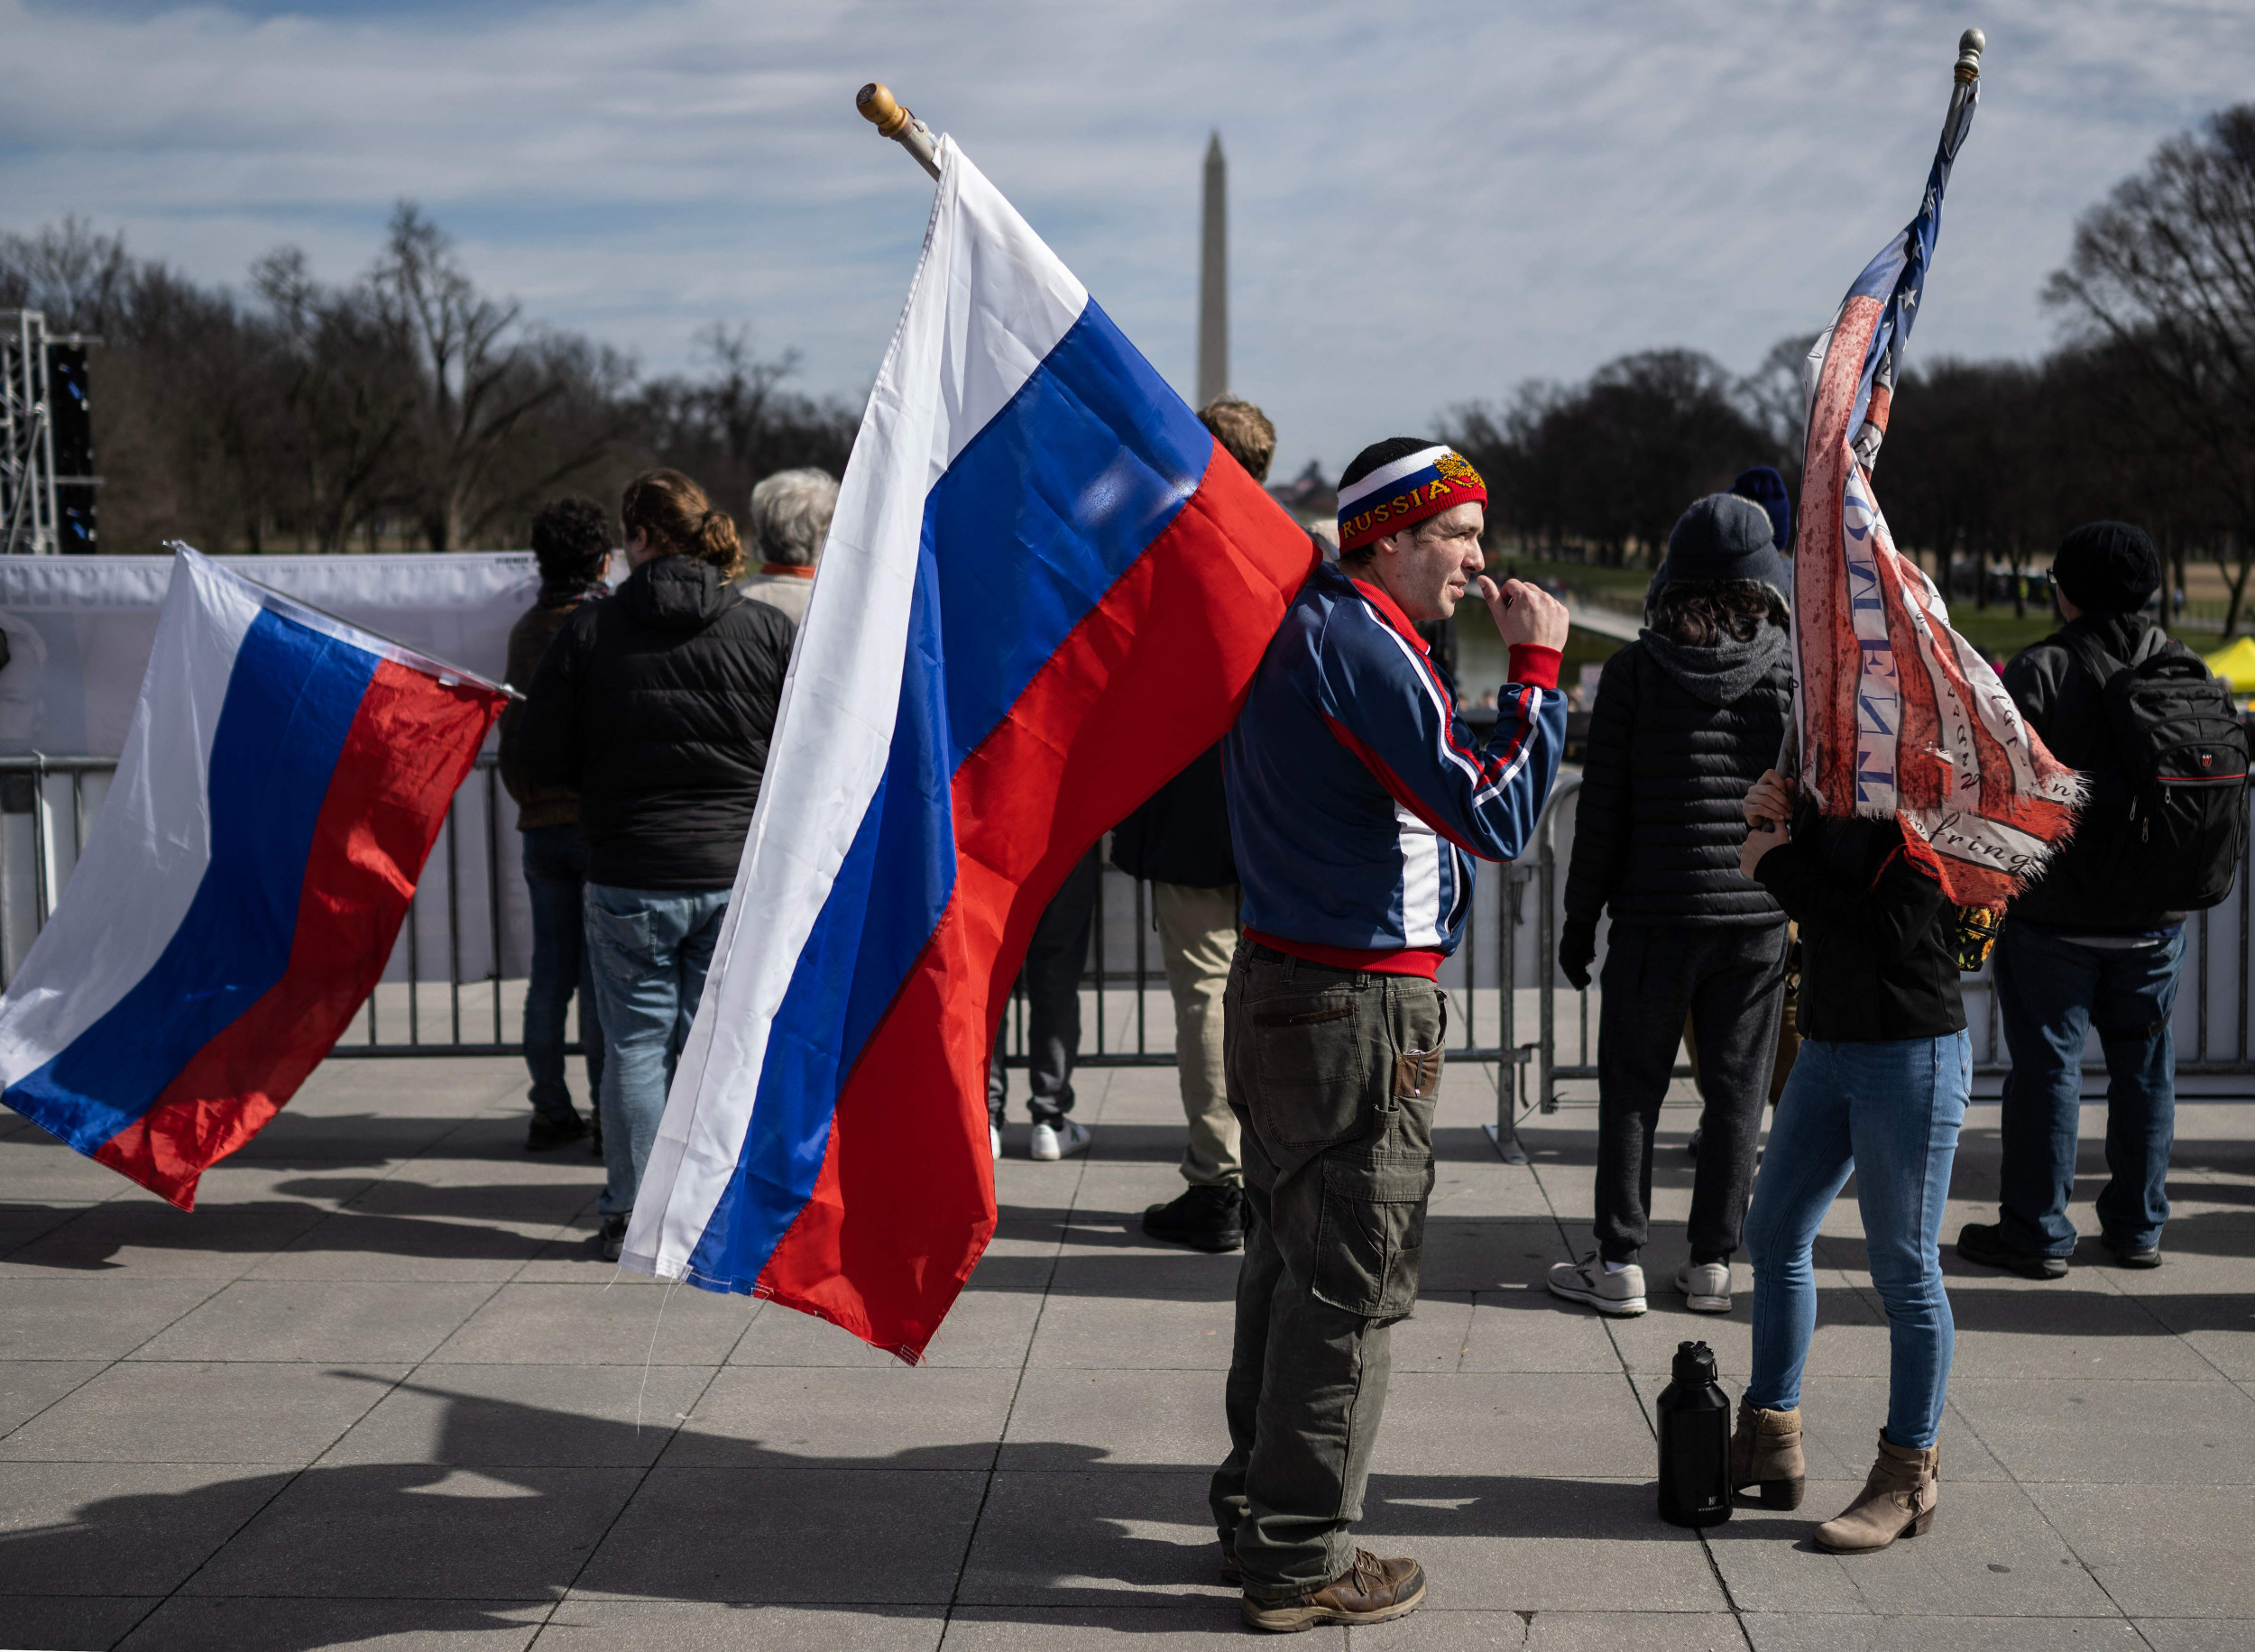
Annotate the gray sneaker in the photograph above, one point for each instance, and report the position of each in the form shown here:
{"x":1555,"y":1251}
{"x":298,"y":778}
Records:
{"x":1620,"y":1294}
{"x":1706,"y":1285}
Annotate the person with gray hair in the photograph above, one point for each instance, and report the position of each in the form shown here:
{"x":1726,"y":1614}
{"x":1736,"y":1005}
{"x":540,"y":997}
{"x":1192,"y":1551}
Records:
{"x":790,"y":518}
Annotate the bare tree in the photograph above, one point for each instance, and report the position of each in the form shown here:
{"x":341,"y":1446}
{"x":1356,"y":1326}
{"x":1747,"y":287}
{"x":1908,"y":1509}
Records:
{"x":1775,"y":398}
{"x":1613,"y":462}
{"x":2163,"y":272}
{"x":349,"y":394}
{"x":480,"y":384}
{"x":70,"y":272}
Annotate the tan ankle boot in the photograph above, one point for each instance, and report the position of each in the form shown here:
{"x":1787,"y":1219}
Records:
{"x":1765,"y":1451}
{"x":1897,"y":1502}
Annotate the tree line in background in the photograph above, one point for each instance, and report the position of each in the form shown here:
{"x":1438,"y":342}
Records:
{"x":2146,"y":411}
{"x":410,"y":407}
{"x":405,"y":409}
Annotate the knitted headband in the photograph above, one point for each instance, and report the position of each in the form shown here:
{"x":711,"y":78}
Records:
{"x":1404,"y":492}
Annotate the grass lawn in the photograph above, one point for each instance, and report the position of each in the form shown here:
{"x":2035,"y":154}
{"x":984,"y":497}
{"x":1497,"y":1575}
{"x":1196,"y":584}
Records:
{"x":1990,"y":629}
{"x":1994,"y":630}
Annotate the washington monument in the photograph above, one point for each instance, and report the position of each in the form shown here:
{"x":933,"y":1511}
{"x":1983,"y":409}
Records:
{"x":1214,"y":281}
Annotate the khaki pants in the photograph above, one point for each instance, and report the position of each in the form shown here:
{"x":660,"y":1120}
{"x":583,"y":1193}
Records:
{"x":1198,"y":936}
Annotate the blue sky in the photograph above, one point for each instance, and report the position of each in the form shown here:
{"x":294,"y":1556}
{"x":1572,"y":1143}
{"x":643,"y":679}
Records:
{"x":1431,"y":202}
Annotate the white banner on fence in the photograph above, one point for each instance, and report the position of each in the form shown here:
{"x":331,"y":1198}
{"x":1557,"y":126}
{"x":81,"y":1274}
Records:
{"x":79,"y":629}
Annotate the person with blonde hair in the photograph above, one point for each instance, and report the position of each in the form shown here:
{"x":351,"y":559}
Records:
{"x":657,"y":706}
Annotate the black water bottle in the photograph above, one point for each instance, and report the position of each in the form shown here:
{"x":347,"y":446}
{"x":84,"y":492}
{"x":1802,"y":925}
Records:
{"x":1694,"y":1441}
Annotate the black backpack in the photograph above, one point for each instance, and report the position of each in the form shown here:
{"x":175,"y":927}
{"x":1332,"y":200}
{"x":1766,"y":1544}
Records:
{"x":2166,"y":822}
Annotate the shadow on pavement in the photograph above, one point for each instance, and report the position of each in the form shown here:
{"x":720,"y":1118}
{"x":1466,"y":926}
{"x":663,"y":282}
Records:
{"x":463,"y":1541}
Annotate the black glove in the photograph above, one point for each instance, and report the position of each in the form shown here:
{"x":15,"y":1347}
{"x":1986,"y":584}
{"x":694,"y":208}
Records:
{"x":1577,"y":946}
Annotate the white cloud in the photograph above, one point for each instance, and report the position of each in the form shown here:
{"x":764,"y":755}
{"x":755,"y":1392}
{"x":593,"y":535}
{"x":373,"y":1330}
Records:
{"x":1430,"y":203}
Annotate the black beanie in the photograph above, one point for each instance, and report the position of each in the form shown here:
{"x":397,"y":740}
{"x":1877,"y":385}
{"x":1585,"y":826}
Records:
{"x":1722,"y":536}
{"x":2107,"y":567}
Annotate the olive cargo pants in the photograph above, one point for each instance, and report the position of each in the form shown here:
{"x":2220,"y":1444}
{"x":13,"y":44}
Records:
{"x":1332,"y":1074}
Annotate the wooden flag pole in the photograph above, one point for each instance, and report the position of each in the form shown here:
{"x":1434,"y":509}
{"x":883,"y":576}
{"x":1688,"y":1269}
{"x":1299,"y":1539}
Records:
{"x":878,"y":105}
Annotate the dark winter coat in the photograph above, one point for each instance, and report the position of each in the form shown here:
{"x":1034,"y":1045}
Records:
{"x":1879,"y":958}
{"x":2065,"y":705}
{"x":657,"y":705}
{"x":1676,"y":737}
{"x":529,"y":639}
{"x":1182,"y":835}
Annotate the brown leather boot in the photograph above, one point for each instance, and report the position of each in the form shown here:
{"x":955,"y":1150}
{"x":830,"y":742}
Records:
{"x":1371,"y":1591}
{"x":1765,"y":1453}
{"x":1897,"y":1500}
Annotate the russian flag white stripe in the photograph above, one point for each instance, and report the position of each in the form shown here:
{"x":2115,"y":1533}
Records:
{"x":987,"y":304}
{"x":1387,"y":475}
{"x":141,"y":869}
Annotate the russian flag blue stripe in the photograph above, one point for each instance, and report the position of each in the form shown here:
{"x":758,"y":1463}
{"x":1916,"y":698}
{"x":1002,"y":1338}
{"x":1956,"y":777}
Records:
{"x":288,"y":705}
{"x":1046,"y":508}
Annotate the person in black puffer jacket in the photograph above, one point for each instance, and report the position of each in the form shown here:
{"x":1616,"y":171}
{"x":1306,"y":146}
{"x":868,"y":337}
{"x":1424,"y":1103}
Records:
{"x":657,"y":706}
{"x":1687,"y":716}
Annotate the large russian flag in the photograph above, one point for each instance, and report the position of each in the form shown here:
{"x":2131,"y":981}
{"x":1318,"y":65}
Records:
{"x":283,"y":779}
{"x":1046,"y":591}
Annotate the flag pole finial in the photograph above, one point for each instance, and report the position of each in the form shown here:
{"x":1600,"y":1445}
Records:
{"x":883,"y":110}
{"x":1971,"y":44}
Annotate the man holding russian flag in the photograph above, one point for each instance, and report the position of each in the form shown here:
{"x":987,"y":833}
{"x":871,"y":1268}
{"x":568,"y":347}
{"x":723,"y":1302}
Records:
{"x":1357,"y":799}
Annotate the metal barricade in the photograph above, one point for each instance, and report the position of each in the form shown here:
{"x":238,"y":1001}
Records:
{"x":471,"y":912}
{"x":2210,"y":1021}
{"x":455,"y":982}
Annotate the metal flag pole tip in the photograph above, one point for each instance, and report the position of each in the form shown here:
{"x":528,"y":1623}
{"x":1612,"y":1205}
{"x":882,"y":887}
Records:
{"x":1971,"y":44}
{"x":883,"y":110}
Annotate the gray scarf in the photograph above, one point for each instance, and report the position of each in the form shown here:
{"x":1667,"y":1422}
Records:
{"x":1725,"y":673}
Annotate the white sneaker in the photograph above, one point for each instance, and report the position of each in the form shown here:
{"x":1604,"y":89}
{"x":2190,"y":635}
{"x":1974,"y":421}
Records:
{"x":1060,"y":1140}
{"x":1620,"y":1294}
{"x":1706,"y":1285}
{"x":994,"y":1138}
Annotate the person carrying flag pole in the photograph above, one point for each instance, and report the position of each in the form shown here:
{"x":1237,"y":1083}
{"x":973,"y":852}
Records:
{"x":1921,"y":793}
{"x":1046,"y":591}
{"x":1357,"y":799}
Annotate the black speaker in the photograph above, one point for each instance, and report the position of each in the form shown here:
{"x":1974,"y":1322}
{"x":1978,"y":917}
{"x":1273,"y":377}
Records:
{"x":66,"y":406}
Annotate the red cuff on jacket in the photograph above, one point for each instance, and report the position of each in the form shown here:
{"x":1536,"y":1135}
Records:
{"x":1534,"y":664}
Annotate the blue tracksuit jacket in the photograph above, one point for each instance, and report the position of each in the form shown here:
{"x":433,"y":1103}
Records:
{"x":1357,"y":797}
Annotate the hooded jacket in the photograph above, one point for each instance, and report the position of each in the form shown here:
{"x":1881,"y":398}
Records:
{"x":1676,"y":737}
{"x":657,"y":705}
{"x":2065,"y":705}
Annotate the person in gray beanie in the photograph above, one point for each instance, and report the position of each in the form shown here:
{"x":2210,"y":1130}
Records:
{"x":2093,"y":941}
{"x":1687,"y":717}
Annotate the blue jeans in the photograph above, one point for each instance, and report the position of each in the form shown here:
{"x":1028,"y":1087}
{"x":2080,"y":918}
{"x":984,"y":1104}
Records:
{"x":2050,"y":993}
{"x":1889,"y":1113}
{"x":556,"y":871}
{"x":651,"y":948}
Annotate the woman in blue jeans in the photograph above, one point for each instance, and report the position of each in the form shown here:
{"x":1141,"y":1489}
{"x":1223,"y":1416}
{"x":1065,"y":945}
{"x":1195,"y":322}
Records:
{"x":1878,"y":1092}
{"x":656,"y":705}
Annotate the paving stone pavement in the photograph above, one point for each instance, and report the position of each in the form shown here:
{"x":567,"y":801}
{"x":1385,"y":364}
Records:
{"x":377,"y":1391}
